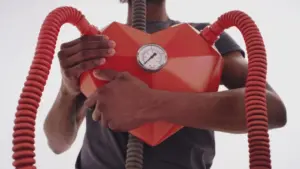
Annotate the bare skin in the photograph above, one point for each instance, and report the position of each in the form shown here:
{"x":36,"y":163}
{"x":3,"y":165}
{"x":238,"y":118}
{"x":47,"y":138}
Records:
{"x":206,"y":111}
{"x":77,"y":56}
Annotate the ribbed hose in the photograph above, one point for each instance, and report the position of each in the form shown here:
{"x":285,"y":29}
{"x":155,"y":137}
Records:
{"x":255,"y":93}
{"x":24,"y":128}
{"x":139,"y":9}
{"x":23,"y":135}
{"x":135,"y":147}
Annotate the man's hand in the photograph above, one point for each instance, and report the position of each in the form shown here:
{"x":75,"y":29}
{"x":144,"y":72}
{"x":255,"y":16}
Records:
{"x":123,"y":103}
{"x":80,"y":55}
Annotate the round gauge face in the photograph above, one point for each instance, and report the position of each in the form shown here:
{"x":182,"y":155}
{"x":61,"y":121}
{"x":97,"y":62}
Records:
{"x":152,"y":57}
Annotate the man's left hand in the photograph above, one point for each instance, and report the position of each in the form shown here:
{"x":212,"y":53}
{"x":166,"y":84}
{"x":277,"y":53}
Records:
{"x":124,"y":103}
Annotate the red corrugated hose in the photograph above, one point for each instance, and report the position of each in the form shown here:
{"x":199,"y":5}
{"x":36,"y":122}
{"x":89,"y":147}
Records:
{"x":255,"y":94}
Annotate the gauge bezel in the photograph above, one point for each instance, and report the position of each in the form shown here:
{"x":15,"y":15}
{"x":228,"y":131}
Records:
{"x":162,"y":64}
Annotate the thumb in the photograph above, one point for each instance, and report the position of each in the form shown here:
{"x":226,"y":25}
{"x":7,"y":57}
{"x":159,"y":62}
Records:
{"x":106,"y":74}
{"x":82,"y":113}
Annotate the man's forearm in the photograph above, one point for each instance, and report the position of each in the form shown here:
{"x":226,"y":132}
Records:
{"x":219,"y":111}
{"x":62,"y":122}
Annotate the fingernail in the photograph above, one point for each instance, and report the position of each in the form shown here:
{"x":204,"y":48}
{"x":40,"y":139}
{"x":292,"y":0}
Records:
{"x":99,"y":75}
{"x":111,"y":43}
{"x":111,"y":51}
{"x":105,"y":37}
{"x":102,"y":61}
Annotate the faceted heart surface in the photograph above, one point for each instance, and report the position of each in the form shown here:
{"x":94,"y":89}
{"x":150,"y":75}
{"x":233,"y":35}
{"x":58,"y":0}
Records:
{"x":192,"y":66}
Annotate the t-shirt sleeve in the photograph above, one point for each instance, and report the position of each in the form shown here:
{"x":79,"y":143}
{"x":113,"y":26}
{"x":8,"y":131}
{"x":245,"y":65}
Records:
{"x":226,"y":44}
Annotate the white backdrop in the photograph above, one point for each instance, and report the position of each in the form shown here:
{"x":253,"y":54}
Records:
{"x":278,"y":21}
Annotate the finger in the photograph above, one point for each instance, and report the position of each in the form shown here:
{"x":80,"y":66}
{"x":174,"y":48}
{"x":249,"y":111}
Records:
{"x":86,"y":43}
{"x":70,"y":44}
{"x":100,"y":115}
{"x":83,"y":38}
{"x":96,"y":115}
{"x":86,"y":55}
{"x":89,"y":45}
{"x":96,"y":97}
{"x":112,"y":126}
{"x":81,"y":114}
{"x":91,"y":101}
{"x":84,"y":66}
{"x":104,"y":122}
{"x":106,"y":74}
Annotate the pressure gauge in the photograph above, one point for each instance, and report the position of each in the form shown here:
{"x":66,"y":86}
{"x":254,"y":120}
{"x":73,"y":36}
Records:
{"x":152,"y":57}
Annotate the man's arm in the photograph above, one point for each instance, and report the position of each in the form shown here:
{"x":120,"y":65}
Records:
{"x":63,"y":121}
{"x":220,"y":111}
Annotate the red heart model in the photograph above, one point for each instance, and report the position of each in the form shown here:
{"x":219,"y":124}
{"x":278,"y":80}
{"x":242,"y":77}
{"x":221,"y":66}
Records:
{"x":191,"y":65}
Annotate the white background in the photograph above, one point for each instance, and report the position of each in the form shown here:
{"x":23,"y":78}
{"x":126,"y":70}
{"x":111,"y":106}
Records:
{"x":278,"y":20}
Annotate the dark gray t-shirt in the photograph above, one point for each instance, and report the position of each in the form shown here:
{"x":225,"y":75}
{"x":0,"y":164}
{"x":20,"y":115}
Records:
{"x":189,"y":148}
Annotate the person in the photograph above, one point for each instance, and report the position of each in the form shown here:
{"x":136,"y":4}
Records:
{"x":126,"y":103}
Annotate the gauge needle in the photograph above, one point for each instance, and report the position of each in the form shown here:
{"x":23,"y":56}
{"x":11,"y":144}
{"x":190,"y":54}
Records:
{"x":151,"y":57}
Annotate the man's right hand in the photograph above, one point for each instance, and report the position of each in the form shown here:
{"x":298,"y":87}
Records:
{"x":80,"y":55}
